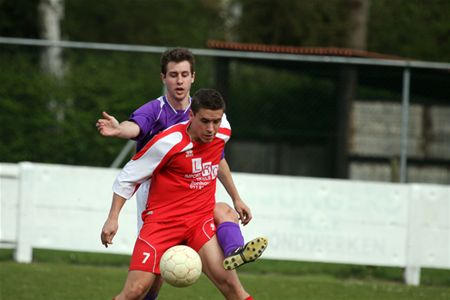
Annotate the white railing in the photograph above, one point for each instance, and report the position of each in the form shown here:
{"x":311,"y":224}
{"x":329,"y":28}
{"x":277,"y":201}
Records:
{"x":323,"y":220}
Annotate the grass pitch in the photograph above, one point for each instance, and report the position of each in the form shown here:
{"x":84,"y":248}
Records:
{"x":66,"y":275}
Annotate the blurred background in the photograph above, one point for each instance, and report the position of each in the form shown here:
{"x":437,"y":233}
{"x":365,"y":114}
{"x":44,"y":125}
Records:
{"x":288,"y":118}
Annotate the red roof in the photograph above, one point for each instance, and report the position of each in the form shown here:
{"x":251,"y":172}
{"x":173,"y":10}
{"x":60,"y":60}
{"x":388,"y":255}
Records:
{"x":326,"y":51}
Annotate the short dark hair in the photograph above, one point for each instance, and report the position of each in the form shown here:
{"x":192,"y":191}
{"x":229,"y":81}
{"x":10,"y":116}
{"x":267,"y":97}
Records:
{"x":207,"y":99}
{"x":177,"y":55}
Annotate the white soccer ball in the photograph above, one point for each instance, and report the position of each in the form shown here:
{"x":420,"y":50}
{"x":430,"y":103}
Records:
{"x":180,"y":266}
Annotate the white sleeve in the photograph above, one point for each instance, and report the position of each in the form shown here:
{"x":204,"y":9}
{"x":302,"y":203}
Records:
{"x":141,"y":169}
{"x":225,"y":123}
{"x":224,"y":134}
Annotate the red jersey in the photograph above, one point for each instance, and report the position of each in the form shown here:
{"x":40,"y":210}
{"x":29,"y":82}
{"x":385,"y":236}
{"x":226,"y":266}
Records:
{"x":183,"y":174}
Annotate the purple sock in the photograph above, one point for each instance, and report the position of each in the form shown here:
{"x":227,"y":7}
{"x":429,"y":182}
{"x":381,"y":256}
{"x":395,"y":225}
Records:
{"x":230,"y":237}
{"x":150,"y":296}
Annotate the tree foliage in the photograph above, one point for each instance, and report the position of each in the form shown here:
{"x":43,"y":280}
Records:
{"x":413,"y":29}
{"x":19,"y":18}
{"x":291,"y":22}
{"x":156,"y":22}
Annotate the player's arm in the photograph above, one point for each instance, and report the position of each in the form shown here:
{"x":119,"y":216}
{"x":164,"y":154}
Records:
{"x":142,"y":166}
{"x":111,"y":225}
{"x":109,"y":126}
{"x":227,"y":180}
{"x":136,"y":171}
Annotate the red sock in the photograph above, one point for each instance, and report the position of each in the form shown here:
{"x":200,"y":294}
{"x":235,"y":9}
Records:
{"x":249,"y":298}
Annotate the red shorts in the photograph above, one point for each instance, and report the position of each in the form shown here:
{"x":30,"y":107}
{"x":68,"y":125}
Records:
{"x":156,"y":237}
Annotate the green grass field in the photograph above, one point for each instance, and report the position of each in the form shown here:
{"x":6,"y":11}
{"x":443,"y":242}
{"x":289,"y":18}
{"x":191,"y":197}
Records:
{"x":67,"y":275}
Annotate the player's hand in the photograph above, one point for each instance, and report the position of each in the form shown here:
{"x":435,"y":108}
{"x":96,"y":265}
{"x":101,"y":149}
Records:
{"x":109,"y":230}
{"x":108,"y":126}
{"x":245,"y":214}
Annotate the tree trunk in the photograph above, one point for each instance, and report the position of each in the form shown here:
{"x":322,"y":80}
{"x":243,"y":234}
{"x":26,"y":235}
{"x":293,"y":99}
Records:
{"x":358,"y":20}
{"x":51,"y":13}
{"x":348,"y":81}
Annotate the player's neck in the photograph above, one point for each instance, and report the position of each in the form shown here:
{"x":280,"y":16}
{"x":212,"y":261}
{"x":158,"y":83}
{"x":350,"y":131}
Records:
{"x":178,"y":105}
{"x":191,"y":135}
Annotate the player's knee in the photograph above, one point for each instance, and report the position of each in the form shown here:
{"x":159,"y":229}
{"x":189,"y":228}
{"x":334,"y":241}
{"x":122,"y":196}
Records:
{"x":231,"y":284}
{"x":135,"y":291}
{"x":224,"y":213}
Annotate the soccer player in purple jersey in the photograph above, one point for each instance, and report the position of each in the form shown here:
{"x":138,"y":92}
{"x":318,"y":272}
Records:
{"x":178,"y":74}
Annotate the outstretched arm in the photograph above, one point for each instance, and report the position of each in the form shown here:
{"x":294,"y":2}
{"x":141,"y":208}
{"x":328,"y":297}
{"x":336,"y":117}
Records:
{"x":111,"y":225}
{"x":225,"y":178}
{"x":109,"y":126}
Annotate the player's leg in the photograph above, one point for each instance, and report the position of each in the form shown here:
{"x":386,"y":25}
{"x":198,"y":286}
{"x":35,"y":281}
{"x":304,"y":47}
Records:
{"x":136,"y":286}
{"x":201,"y":237}
{"x":228,"y":230}
{"x":226,"y":281}
{"x":155,"y":288}
{"x":141,"y":203}
{"x":231,"y":239}
{"x":143,"y":265}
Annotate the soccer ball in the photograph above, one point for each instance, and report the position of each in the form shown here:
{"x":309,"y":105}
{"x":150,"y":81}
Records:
{"x":180,"y":266}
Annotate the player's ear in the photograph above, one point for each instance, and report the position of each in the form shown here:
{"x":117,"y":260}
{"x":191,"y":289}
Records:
{"x":193,"y":77}
{"x":191,"y":114}
{"x":163,"y":78}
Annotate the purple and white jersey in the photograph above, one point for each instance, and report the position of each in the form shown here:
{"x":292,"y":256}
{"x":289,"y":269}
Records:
{"x":155,"y":116}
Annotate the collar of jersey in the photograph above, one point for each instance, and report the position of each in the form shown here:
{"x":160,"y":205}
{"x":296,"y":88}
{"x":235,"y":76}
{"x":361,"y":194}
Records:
{"x":174,"y":110}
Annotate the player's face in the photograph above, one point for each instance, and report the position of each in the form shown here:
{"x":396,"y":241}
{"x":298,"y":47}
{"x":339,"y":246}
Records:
{"x":178,"y":80}
{"x":204,"y":124}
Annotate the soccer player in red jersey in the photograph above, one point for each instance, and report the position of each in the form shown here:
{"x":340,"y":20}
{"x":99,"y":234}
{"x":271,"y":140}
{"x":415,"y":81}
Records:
{"x":178,"y":74}
{"x":182,"y":163}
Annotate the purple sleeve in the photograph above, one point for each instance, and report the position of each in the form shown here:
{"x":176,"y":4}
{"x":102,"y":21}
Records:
{"x":145,"y":117}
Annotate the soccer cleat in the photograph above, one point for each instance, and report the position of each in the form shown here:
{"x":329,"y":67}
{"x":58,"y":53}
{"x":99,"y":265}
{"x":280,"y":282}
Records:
{"x":248,"y":253}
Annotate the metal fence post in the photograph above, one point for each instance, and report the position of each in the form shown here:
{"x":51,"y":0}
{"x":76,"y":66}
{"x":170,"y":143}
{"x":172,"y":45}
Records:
{"x":412,"y":270}
{"x":404,"y":125}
